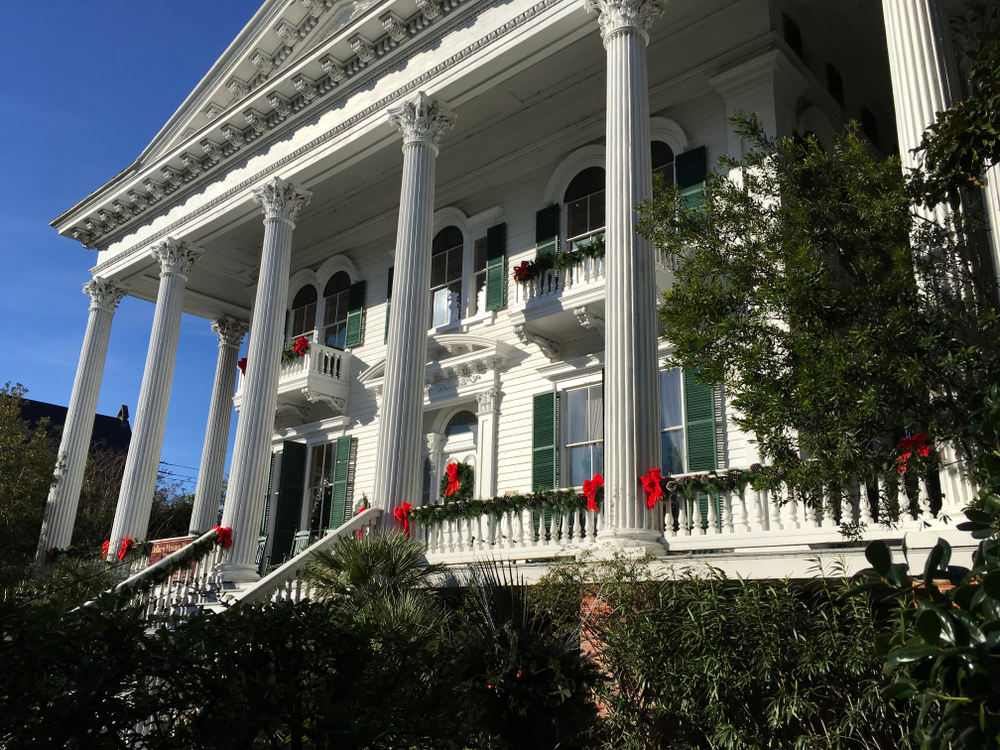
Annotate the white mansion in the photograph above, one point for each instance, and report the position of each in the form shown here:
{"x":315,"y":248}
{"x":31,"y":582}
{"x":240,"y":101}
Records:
{"x":366,"y":175}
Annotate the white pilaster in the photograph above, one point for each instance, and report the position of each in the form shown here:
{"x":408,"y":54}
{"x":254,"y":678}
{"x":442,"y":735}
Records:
{"x":631,"y":370}
{"x":397,"y":458}
{"x":281,"y":203}
{"x":488,"y":408}
{"x":139,"y":481}
{"x":64,"y":496}
{"x":208,"y":493}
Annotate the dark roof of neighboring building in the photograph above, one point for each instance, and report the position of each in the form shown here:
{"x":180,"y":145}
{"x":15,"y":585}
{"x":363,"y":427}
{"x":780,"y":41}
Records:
{"x":112,"y":432}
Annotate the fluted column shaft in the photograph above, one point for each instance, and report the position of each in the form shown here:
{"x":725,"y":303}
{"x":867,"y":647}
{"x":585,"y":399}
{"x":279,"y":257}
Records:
{"x":64,"y":496}
{"x":208,"y":493}
{"x":397,"y":457}
{"x":281,"y":203}
{"x":135,"y":499}
{"x":631,"y":369}
{"x":991,"y":195}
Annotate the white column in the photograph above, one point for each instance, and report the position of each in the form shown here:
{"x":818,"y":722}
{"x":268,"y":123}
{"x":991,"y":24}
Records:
{"x":135,"y":498}
{"x":991,"y":195}
{"x":631,"y":369}
{"x":281,"y":203}
{"x":489,"y":406}
{"x":397,"y":457}
{"x":64,"y":496}
{"x":208,"y":494}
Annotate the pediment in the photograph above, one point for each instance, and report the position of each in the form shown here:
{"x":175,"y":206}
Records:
{"x":449,"y":356}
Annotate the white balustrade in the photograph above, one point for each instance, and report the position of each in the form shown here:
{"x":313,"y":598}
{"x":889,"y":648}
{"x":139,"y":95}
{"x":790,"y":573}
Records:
{"x":324,"y":361}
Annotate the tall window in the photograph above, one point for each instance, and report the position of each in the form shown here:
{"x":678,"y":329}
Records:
{"x":337,"y":298}
{"x":671,"y":422}
{"x":583,"y":437}
{"x":584,"y":201}
{"x":479,"y":276}
{"x":303,"y":311}
{"x":320,"y":490}
{"x":446,"y":276}
{"x":663,"y":162}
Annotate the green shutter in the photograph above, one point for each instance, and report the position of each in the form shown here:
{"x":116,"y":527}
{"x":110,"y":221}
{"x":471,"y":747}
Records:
{"x":356,"y":315}
{"x":547,"y":230}
{"x":388,"y":307}
{"x":267,"y":499}
{"x":699,"y":424}
{"x":496,"y":267}
{"x":691,"y":167}
{"x":291,"y":484}
{"x":543,"y":441}
{"x":341,"y":474}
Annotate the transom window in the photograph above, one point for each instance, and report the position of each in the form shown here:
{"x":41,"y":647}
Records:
{"x":584,"y":201}
{"x":671,"y":422}
{"x":463,"y":423}
{"x":583,"y":433}
{"x":303,"y":311}
{"x":446,"y":276}
{"x":337,"y":299}
{"x":663,"y":162}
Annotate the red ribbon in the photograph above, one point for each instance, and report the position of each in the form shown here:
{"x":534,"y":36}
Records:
{"x":104,"y":548}
{"x":651,"y":483}
{"x":361,"y":510}
{"x":242,"y":364}
{"x":590,"y":490}
{"x":126,"y":546}
{"x":522,"y":271}
{"x":51,"y":555}
{"x":452,"y":471}
{"x":301,"y":345}
{"x":225,"y":536}
{"x":403,"y":514}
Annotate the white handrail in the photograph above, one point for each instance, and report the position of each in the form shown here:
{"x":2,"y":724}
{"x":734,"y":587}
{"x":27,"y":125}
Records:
{"x":285,"y":582}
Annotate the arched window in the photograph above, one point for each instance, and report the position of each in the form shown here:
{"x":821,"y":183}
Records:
{"x":337,"y":303}
{"x":303,"y":311}
{"x":446,"y":276}
{"x":462,"y":423}
{"x":663,"y":162}
{"x":584,"y":201}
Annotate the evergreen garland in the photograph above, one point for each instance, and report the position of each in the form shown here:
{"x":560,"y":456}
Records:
{"x":532,"y":269}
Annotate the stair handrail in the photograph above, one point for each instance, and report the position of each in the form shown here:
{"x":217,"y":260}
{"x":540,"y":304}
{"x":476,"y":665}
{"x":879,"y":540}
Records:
{"x":135,"y":581}
{"x":288,"y":572}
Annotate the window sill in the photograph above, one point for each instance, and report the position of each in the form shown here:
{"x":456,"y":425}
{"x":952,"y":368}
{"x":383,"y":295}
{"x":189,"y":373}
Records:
{"x":462,"y":326}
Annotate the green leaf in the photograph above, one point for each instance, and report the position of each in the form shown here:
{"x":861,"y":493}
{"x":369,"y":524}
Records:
{"x":914,"y":650}
{"x":991,"y":584}
{"x":879,"y":556}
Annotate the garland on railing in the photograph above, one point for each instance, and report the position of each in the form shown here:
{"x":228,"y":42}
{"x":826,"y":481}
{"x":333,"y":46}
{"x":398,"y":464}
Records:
{"x":183,"y":558}
{"x":296,"y":350}
{"x":458,"y":482}
{"x":532,"y":269}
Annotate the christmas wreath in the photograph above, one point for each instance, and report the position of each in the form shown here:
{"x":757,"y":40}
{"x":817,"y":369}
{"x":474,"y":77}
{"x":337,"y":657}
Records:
{"x":458,"y":482}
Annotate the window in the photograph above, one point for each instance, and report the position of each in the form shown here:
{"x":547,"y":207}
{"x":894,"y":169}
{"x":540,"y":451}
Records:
{"x":479,"y":256}
{"x":671,"y":423}
{"x":337,"y":304}
{"x":582,"y":416}
{"x":463,"y":423}
{"x":303,"y":311}
{"x":584,"y":201}
{"x":446,"y":276}
{"x":320,"y":489}
{"x":663,"y":162}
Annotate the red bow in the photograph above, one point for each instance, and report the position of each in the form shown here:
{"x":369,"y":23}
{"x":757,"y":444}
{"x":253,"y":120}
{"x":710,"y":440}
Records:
{"x":403,"y":514}
{"x":126,"y":546}
{"x":51,"y":555}
{"x":452,"y":471}
{"x":301,"y":345}
{"x":104,"y":548}
{"x":224,"y":536}
{"x":361,"y":510}
{"x":590,"y":490}
{"x":651,"y":483}
{"x":523,"y":271}
{"x":242,"y":364}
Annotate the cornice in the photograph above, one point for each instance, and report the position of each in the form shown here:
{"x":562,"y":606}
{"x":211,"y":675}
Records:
{"x":357,"y":82}
{"x":228,"y":136}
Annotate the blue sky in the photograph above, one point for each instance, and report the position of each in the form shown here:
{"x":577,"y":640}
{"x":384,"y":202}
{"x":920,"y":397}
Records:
{"x":86,"y":86}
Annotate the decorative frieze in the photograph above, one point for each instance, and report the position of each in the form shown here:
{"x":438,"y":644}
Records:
{"x":422,"y":119}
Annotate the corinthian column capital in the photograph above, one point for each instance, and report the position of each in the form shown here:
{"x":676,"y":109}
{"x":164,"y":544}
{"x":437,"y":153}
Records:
{"x":422,"y":120}
{"x":105,"y":294}
{"x":176,"y":257}
{"x":625,"y":15}
{"x":280,"y":199}
{"x":230,"y":330}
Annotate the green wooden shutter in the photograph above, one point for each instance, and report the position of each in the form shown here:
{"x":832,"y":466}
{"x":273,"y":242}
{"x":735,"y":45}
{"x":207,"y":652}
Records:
{"x":547,"y":230}
{"x":388,"y":307}
{"x":496,"y":267}
{"x":267,"y":498}
{"x":356,"y":315}
{"x":341,"y":474}
{"x":543,"y":441}
{"x":691,"y":168}
{"x":699,"y":428}
{"x":291,"y":484}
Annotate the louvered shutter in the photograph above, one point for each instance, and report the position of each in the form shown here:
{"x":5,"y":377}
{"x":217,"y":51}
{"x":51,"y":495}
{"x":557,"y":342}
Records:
{"x":388,"y":307}
{"x":691,"y":168}
{"x":543,"y":441}
{"x":496,"y":267}
{"x":291,"y":484}
{"x":341,"y":475}
{"x":700,"y":430}
{"x":356,"y":315}
{"x":547,"y":230}
{"x":267,"y":499}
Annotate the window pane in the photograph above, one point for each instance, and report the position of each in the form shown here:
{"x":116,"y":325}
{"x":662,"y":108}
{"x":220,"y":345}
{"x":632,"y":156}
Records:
{"x":596,"y":212}
{"x":577,"y":416}
{"x":576,"y":218}
{"x":672,"y":452}
{"x":596,"y":413}
{"x":336,"y":335}
{"x":480,"y":254}
{"x":598,"y":459}
{"x":439,"y":269}
{"x":479,"y":283}
{"x":439,"y":315}
{"x":580,"y":465}
{"x":455,"y":264}
{"x":671,"y":409}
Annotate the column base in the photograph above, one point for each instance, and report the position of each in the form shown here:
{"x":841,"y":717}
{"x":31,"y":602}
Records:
{"x":631,"y":542}
{"x":236,"y":573}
